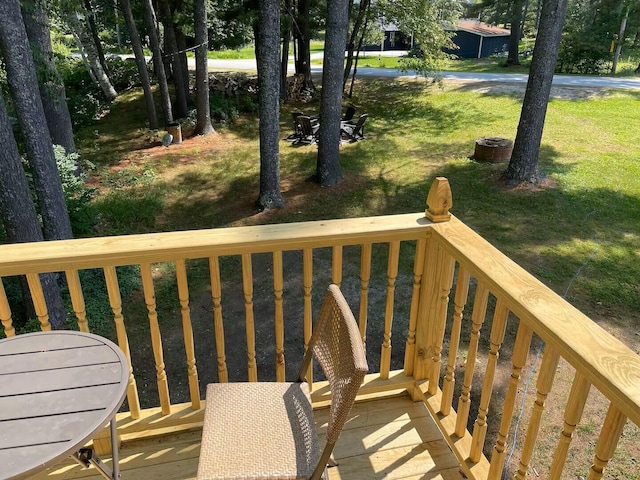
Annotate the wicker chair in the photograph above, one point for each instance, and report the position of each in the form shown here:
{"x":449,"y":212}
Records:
{"x":266,"y":429}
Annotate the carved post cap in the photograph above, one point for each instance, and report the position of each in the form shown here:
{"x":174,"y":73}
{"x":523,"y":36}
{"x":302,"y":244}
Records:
{"x":439,"y":201}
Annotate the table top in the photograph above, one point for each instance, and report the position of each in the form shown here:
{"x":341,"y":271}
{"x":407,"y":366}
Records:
{"x":57,"y":390}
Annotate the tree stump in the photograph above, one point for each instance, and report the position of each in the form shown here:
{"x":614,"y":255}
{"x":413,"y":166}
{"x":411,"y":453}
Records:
{"x":493,"y":149}
{"x":175,"y":130}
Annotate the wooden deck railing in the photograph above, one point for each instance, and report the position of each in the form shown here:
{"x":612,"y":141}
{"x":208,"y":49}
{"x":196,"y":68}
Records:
{"x":399,"y":271}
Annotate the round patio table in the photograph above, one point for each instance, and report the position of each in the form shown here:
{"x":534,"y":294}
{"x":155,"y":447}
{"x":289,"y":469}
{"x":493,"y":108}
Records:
{"x":57,"y":390}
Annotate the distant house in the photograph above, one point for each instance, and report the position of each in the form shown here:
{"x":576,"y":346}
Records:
{"x":474,"y":39}
{"x":394,"y":39}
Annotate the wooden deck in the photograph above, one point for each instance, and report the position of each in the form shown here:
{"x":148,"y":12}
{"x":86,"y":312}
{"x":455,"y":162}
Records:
{"x":391,"y":438}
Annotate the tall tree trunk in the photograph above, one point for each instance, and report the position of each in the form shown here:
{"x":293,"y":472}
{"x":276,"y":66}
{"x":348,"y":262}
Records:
{"x":18,"y":213}
{"x":52,"y":91}
{"x":152,"y":31}
{"x":303,"y":41}
{"x":517,"y":8}
{"x":268,"y":55}
{"x":181,"y":41}
{"x":358,"y":25}
{"x":623,"y":27}
{"x":91,"y":23}
{"x":328,"y":172}
{"x":80,"y":32}
{"x":203,"y":110}
{"x":117,"y":22}
{"x":355,"y":64}
{"x":136,"y":44}
{"x":284,"y":63}
{"x":23,"y":83}
{"x":523,"y":166}
{"x":181,"y":108}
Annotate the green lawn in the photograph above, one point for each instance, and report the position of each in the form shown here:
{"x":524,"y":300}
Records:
{"x":417,"y":131}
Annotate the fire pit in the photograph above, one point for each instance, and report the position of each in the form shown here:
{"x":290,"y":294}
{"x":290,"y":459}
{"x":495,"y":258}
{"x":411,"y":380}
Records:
{"x":493,"y":149}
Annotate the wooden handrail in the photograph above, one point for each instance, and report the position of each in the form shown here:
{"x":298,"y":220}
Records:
{"x":607,"y":363}
{"x":449,"y":256}
{"x":83,"y":253}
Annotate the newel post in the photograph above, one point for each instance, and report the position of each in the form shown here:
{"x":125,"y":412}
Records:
{"x":439,"y":201}
{"x":436,"y":283}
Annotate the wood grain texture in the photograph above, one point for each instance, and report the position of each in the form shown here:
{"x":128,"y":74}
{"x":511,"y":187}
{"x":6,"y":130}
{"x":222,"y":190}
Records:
{"x":115,"y":301}
{"x":77,"y":299}
{"x":278,"y":286}
{"x":5,"y":313}
{"x":39,"y":303}
{"x":216,"y":296}
{"x":187,"y":333}
{"x":609,"y":365}
{"x":544,"y":383}
{"x":392,"y":438}
{"x":365,"y":276}
{"x":77,"y":254}
{"x":418,"y":267}
{"x":392,"y":273}
{"x":459,"y":302}
{"x":156,"y":337}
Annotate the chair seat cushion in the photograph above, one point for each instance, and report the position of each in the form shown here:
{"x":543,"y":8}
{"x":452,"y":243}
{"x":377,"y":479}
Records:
{"x":258,"y":430}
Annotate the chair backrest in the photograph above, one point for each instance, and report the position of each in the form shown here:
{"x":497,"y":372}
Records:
{"x":338,"y":348}
{"x":305,"y":125}
{"x":349,"y":112}
{"x":359,"y":128}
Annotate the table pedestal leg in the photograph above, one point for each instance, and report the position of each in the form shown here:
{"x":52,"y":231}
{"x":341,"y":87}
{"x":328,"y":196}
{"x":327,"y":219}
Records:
{"x":86,"y":457}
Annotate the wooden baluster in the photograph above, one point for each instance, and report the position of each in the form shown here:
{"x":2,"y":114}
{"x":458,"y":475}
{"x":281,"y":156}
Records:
{"x":247,"y":288}
{"x":278,"y":286}
{"x":496,"y":338}
{"x":216,"y":295}
{"x":572,"y":414}
{"x":115,"y":300}
{"x":39,"y":303}
{"x":424,"y":336}
{"x":187,"y":332}
{"x":365,"y":275}
{"x":519,"y":358}
{"x":544,"y":383}
{"x":336,"y":265}
{"x":307,"y":284}
{"x":5,"y":313}
{"x":418,"y":266}
{"x":477,"y":319}
{"x":444,"y":276}
{"x":392,"y":274}
{"x":607,"y":441}
{"x":460,"y":300}
{"x":156,"y":338}
{"x":77,"y":299}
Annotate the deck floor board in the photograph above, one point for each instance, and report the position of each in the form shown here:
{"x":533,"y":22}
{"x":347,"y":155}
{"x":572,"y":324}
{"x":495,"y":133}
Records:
{"x":391,"y":438}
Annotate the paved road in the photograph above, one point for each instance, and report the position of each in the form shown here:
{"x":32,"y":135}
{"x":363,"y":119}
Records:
{"x":579,"y":81}
{"x":623,"y":83}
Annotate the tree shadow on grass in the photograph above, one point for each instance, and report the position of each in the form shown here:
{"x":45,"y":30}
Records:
{"x":398,"y":106}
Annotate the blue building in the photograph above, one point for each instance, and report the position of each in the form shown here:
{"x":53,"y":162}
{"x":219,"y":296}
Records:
{"x":476,"y":39}
{"x":473,"y":38}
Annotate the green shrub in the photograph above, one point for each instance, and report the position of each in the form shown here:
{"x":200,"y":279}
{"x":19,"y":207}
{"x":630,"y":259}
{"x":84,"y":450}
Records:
{"x":226,"y":110}
{"x":123,"y":73}
{"x":85,"y":100}
{"x":77,"y":195}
